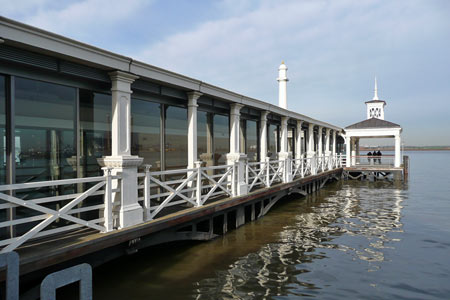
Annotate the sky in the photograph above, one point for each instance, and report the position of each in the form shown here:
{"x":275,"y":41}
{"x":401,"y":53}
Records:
{"x":333,"y":50}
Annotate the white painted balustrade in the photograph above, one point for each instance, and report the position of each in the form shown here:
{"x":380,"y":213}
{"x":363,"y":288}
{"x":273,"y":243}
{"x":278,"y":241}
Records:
{"x":159,"y":193}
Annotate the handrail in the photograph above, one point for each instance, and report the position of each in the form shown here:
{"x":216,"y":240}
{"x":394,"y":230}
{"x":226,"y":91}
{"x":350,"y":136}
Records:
{"x":158,"y":190}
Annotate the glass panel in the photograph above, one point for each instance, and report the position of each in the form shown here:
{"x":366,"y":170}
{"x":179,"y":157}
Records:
{"x":2,"y":131}
{"x":45,"y":142}
{"x":204,"y":137}
{"x":95,"y":131}
{"x":272,"y":141}
{"x":291,"y":141}
{"x":252,"y":140}
{"x":45,"y":131}
{"x":146,"y":132}
{"x":176,"y":138}
{"x":221,"y":139}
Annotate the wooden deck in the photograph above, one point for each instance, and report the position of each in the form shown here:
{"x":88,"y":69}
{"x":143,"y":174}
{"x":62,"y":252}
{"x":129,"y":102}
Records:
{"x":52,"y":251}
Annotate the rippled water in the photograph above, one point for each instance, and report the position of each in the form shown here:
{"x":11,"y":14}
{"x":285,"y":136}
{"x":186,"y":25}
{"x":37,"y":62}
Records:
{"x":352,"y":240}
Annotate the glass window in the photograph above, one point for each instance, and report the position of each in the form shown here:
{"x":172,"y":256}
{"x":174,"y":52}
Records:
{"x":252,"y":140}
{"x":146,"y":132}
{"x":221,"y":139}
{"x":291,"y":140}
{"x":204,"y":137}
{"x":95,"y":131}
{"x":175,"y":137}
{"x":2,"y":131}
{"x":272,"y":141}
{"x":45,"y":131}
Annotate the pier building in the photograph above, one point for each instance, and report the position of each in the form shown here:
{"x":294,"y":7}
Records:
{"x":375,"y":126}
{"x":103,"y":154}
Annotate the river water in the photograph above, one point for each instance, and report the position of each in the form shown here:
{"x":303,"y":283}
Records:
{"x":351,"y":240}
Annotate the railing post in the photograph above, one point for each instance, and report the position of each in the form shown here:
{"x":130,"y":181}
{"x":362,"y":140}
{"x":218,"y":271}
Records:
{"x":198,"y":189}
{"x":313,"y":164}
{"x":107,"y":214}
{"x":267,"y":171}
{"x":302,"y":167}
{"x":147,"y":204}
{"x":246,"y":173}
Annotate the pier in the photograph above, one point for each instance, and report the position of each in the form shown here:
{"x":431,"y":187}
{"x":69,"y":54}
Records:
{"x":104,"y":155}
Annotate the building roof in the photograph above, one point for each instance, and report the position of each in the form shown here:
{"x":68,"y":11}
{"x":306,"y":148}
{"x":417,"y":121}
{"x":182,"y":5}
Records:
{"x":373,"y":123}
{"x":376,"y":101}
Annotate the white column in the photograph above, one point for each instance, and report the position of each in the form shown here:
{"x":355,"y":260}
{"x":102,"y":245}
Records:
{"x":334,"y":142}
{"x":357,"y":160}
{"x":263,"y":136}
{"x":320,"y":141}
{"x":353,"y":151}
{"x":234,"y":156}
{"x":284,"y":155}
{"x":327,"y":141}
{"x":397,"y":158}
{"x":192,"y":128}
{"x":282,"y":86}
{"x":311,"y":152}
{"x":348,"y":147}
{"x":298,"y":140}
{"x":121,"y":161}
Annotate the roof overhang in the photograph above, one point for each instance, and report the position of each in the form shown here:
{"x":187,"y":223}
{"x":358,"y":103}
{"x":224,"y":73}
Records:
{"x":374,"y":132}
{"x":34,"y":39}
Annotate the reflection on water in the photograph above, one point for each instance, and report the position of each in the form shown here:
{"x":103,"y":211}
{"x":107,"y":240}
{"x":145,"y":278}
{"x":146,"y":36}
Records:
{"x":351,"y":240}
{"x":353,"y":219}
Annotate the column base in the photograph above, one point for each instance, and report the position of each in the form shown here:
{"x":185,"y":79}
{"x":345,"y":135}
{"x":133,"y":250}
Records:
{"x":240,"y":158}
{"x":287,"y":172}
{"x":130,"y":215}
{"x":125,"y":202}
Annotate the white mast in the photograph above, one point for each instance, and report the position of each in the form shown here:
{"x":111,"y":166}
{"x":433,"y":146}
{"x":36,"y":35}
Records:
{"x":282,"y":83}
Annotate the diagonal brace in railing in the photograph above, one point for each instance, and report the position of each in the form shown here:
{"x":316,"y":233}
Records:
{"x":61,"y":213}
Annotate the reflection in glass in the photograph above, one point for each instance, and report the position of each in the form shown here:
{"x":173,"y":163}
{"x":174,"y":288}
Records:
{"x":45,"y":130}
{"x":145,"y":132}
{"x":175,"y":137}
{"x":45,"y":141}
{"x":221,"y":139}
{"x":272,"y":140}
{"x":291,"y":141}
{"x":95,"y":131}
{"x":2,"y":131}
{"x":252,"y":140}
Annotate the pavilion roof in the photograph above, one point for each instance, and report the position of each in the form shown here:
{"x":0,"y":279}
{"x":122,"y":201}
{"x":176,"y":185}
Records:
{"x":373,"y":123}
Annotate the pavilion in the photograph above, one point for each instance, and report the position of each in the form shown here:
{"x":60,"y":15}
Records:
{"x":375,"y":126}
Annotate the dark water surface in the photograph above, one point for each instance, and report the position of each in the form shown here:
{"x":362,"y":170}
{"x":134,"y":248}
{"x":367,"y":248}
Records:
{"x":353,"y":239}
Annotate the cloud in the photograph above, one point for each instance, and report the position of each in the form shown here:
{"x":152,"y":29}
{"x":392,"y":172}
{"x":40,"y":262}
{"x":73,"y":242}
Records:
{"x":333,"y":50}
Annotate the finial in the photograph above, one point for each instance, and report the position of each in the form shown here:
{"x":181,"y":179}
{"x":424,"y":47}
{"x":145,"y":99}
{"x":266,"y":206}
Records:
{"x":282,"y":62}
{"x":375,"y":94}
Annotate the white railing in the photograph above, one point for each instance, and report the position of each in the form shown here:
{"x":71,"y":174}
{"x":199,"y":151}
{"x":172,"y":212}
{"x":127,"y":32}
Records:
{"x":370,"y":160}
{"x":33,"y":217}
{"x":194,"y":187}
{"x":159,"y":193}
{"x":266,"y":173}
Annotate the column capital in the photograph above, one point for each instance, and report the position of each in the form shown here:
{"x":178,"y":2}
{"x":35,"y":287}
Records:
{"x":264,"y":115}
{"x":235,"y":108}
{"x":193,"y":97}
{"x":284,"y":120}
{"x":122,"y":77}
{"x":327,"y":130}
{"x":121,"y":81}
